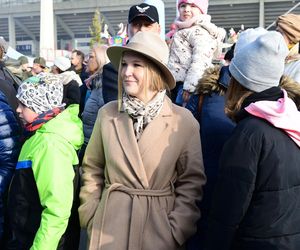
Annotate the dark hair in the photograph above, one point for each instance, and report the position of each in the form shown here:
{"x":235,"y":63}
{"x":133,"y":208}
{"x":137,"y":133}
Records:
{"x":79,"y":53}
{"x":59,"y":70}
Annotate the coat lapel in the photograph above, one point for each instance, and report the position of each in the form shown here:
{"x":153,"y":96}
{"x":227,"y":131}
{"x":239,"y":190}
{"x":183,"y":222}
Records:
{"x":156,"y":128}
{"x":125,"y":133}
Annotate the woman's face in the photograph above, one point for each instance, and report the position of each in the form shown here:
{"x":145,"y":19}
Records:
{"x":92,"y":65}
{"x":26,"y":114}
{"x":188,"y":10}
{"x":133,"y":71}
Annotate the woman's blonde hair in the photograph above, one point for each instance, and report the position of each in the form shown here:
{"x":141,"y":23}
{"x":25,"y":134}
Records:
{"x":152,"y":75}
{"x":101,"y":56}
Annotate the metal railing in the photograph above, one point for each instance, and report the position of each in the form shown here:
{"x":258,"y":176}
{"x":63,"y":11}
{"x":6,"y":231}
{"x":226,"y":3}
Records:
{"x":290,"y":10}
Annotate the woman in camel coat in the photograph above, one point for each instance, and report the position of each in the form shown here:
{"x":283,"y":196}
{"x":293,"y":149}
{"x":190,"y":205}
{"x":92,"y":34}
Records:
{"x":143,"y":169}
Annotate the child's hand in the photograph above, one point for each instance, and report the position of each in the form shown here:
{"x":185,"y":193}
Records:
{"x":186,"y":96}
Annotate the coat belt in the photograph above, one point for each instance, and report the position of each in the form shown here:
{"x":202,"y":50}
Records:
{"x":138,"y":219}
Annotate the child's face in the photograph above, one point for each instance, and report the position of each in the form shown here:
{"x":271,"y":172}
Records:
{"x":188,"y":10}
{"x":26,"y":114}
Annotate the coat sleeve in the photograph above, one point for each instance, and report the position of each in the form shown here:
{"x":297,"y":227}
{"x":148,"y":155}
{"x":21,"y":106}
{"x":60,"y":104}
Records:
{"x":188,"y":186}
{"x":9,"y":151}
{"x":202,"y":46}
{"x":93,"y":175}
{"x":234,"y":189}
{"x":53,"y":173}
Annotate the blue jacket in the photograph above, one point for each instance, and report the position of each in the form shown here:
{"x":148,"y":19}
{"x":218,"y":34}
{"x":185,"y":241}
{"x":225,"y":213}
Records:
{"x":93,"y":104}
{"x":9,"y":150}
{"x":215,"y":129}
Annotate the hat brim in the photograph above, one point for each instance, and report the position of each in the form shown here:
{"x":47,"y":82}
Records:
{"x":115,"y":53}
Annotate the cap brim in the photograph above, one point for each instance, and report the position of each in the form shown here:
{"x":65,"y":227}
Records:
{"x":115,"y":53}
{"x":142,"y":15}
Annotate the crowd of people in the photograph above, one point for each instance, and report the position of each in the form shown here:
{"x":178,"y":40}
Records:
{"x":153,"y":146}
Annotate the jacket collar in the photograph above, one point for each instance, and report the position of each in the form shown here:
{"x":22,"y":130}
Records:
{"x":134,"y":150}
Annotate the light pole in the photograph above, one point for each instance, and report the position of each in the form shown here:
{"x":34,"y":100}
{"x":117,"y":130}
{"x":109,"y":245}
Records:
{"x":47,"y":45}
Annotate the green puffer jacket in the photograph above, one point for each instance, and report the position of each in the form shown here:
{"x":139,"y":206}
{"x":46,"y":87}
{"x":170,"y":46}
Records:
{"x":45,"y":169}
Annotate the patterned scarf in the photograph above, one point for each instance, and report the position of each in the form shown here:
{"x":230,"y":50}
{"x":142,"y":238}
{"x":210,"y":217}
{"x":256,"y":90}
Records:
{"x":40,"y":120}
{"x":94,"y":81}
{"x":142,"y":114}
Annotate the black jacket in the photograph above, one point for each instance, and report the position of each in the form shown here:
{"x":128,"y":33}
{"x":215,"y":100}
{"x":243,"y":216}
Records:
{"x":257,"y":199}
{"x":109,"y":83}
{"x":71,"y":93}
{"x":8,"y":87}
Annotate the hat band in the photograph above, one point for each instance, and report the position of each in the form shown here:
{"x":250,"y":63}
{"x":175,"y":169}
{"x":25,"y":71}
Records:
{"x":141,"y":48}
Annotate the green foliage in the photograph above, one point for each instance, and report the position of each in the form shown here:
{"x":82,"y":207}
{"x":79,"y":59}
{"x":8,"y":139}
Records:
{"x":96,"y":28}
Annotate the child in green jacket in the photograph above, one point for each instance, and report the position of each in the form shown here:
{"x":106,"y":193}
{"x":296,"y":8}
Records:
{"x":42,"y":190}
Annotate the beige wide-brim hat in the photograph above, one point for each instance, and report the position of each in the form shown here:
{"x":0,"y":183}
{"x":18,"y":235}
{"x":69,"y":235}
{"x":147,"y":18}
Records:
{"x":150,"y":45}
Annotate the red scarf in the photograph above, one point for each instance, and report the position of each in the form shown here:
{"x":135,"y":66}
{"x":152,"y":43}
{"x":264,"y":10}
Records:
{"x":41,"y":119}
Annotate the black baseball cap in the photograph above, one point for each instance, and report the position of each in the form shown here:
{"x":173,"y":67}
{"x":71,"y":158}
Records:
{"x":143,"y":10}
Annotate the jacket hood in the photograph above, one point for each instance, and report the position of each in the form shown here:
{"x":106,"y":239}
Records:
{"x":282,"y":114}
{"x":67,"y":125}
{"x":68,"y":76}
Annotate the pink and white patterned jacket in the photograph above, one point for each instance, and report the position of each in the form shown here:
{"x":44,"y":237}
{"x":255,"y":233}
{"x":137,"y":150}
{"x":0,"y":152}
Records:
{"x":192,"y":51}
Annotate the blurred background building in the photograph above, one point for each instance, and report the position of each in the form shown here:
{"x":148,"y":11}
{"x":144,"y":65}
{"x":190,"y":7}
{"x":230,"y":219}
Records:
{"x":20,"y":19}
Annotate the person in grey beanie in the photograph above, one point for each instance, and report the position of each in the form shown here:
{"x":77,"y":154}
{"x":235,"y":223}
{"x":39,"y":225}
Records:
{"x":260,"y":64}
{"x":256,"y":204}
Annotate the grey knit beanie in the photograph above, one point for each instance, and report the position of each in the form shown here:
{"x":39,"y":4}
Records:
{"x":259,"y":64}
{"x":248,"y":36}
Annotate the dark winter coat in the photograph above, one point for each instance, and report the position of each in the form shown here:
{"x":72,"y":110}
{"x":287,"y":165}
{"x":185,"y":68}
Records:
{"x":83,"y":74}
{"x":8,"y":87}
{"x":9,"y":76}
{"x":110,"y":83}
{"x":9,"y":151}
{"x":257,"y":198}
{"x":215,"y":129}
{"x":71,"y":93}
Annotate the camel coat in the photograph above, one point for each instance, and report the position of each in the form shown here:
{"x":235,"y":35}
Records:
{"x":142,"y":195}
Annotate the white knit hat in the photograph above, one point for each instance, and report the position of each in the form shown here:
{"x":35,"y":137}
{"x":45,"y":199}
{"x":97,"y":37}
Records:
{"x":259,"y":65}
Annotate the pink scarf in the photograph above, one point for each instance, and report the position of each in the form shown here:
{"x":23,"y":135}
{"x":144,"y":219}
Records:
{"x":190,"y":22}
{"x":283,"y":114}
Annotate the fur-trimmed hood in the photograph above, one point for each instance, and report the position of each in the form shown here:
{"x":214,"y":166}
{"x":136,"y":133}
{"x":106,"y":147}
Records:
{"x":209,"y":83}
{"x":292,"y":88}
